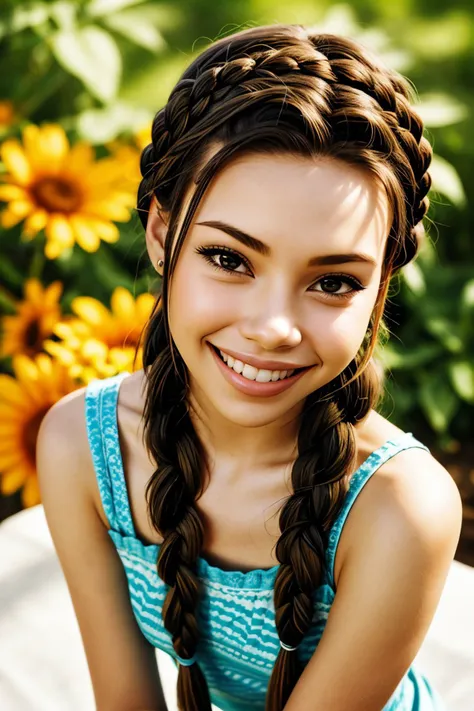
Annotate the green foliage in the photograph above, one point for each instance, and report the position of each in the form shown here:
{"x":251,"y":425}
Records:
{"x":431,"y":357}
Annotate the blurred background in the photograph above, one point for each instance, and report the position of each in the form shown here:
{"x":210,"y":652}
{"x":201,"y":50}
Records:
{"x":80,"y":83}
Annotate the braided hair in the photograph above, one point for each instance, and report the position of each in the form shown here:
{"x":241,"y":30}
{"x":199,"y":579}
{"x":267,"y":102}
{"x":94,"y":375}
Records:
{"x":271,"y":89}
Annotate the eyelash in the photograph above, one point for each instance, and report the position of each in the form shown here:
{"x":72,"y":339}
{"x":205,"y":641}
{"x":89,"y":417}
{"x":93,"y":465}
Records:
{"x":209,"y":252}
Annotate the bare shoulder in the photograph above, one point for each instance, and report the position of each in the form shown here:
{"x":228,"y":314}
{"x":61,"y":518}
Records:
{"x":62,"y":438}
{"x":63,"y":453}
{"x":409,"y":477}
{"x":411,"y":495}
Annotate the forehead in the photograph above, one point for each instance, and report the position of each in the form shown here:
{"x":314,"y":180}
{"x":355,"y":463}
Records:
{"x":314,"y":203}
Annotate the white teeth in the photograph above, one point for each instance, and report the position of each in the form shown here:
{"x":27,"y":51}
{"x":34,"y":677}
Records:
{"x":238,"y":366}
{"x":251,"y":373}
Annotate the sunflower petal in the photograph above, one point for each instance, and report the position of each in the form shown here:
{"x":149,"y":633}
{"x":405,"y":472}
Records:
{"x":109,"y":210}
{"x":144,"y":306}
{"x":53,"y":144}
{"x":44,"y":365}
{"x":53,"y":293}
{"x":123,"y":304}
{"x":34,"y":223}
{"x":12,"y":192}
{"x":10,"y":412}
{"x":10,"y":219}
{"x":86,"y":236}
{"x":90,"y":310}
{"x":59,"y":232}
{"x":31,"y":142}
{"x":13,"y":480}
{"x":16,"y":161}
{"x":80,"y":157}
{"x":34,"y":291}
{"x":24,"y":368}
{"x":53,"y":250}
{"x":8,"y":461}
{"x":10,"y":391}
{"x":31,"y":495}
{"x":59,"y":352}
{"x":8,"y":429}
{"x":107,"y":231}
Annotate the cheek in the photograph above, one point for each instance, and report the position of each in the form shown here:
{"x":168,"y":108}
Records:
{"x":338,"y":339}
{"x":197,"y":305}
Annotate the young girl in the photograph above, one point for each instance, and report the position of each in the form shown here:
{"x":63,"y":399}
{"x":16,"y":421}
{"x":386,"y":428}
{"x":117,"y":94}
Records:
{"x":240,"y":503}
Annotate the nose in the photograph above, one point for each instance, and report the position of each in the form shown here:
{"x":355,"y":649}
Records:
{"x":272,"y":323}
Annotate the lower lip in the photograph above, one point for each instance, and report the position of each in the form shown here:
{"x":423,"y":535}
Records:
{"x":251,"y":387}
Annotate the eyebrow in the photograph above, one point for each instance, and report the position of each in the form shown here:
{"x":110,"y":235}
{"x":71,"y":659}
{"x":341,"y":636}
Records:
{"x":264,"y":249}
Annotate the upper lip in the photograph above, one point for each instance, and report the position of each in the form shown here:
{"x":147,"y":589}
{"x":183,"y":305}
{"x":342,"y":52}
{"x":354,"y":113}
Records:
{"x":261,"y":364}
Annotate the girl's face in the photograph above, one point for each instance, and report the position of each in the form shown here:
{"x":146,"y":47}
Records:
{"x":267,"y":294}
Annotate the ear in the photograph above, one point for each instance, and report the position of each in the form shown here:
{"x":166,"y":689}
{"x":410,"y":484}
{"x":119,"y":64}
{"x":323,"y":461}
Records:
{"x":155,"y":234}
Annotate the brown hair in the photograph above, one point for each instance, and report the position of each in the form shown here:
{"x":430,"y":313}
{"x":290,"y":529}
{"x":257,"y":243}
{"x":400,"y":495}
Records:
{"x":274,"y":89}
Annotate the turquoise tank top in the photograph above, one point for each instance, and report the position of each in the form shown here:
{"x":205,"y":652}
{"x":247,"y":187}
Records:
{"x":236,"y":615}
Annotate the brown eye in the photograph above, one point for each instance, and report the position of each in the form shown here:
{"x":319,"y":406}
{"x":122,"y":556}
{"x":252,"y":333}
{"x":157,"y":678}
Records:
{"x":224,"y":259}
{"x":335,"y":282}
{"x":228,"y":261}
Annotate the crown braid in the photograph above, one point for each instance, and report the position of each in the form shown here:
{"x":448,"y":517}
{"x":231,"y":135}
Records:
{"x":278,"y":88}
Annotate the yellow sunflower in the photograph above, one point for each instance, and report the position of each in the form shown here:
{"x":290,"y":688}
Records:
{"x":34,"y":321}
{"x":63,"y":190}
{"x":101,"y":343}
{"x":128,"y":155}
{"x":123,"y":323}
{"x":24,"y":401}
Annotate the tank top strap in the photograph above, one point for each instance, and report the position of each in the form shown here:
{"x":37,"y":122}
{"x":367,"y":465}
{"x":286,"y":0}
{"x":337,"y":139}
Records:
{"x":101,"y":399}
{"x":358,"y":480}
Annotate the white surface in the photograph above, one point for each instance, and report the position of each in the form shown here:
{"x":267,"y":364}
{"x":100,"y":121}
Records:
{"x":42,"y":662}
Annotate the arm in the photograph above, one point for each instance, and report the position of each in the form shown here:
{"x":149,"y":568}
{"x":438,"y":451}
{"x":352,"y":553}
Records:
{"x":122,"y":663}
{"x":388,"y":590}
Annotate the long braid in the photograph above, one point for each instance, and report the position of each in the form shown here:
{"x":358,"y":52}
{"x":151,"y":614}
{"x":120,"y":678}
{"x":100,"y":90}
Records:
{"x":276,"y":88}
{"x":171,"y":495}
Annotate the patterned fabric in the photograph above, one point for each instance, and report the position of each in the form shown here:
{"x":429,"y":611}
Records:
{"x":239,"y":641}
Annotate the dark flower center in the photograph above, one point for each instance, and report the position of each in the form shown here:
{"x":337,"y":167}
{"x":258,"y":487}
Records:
{"x":32,"y":337}
{"x":56,"y":194}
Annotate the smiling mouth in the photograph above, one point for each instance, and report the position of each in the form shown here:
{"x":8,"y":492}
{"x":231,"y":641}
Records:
{"x":295,"y":371}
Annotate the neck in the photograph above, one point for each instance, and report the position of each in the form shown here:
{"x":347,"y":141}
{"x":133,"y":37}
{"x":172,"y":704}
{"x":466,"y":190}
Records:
{"x":239,"y":448}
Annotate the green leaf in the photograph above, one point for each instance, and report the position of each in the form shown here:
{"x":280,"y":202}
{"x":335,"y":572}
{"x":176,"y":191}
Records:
{"x":446,"y":180}
{"x":438,"y":109}
{"x":444,"y":331}
{"x":137,"y":26}
{"x":462,"y":378}
{"x":64,"y":14}
{"x":23,"y":17}
{"x":467,"y":296}
{"x":98,"y":8}
{"x":437,"y":400}
{"x":103,"y":125}
{"x":409,"y":358}
{"x":414,"y":278}
{"x":91,"y":55}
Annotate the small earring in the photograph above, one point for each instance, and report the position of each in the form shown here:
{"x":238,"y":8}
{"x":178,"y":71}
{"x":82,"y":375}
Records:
{"x":160,"y":263}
